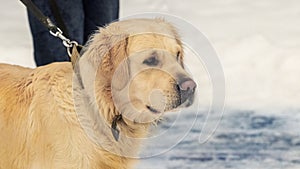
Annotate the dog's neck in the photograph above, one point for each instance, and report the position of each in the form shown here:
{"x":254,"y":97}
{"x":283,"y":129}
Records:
{"x":96,"y":114}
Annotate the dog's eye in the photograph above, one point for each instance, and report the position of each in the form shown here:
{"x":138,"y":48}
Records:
{"x":178,"y":55}
{"x":152,"y":61}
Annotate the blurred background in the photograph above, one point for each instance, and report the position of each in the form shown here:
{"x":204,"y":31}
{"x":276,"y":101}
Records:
{"x":258,"y":45}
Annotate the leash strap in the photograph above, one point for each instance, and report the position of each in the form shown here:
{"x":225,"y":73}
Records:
{"x":40,"y":16}
{"x":53,"y":29}
{"x":57,"y":16}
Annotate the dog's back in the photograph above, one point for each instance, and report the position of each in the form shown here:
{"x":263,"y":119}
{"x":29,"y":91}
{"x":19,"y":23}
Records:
{"x":10,"y":74}
{"x":12,"y":87}
{"x":12,"y":111}
{"x":25,"y":95}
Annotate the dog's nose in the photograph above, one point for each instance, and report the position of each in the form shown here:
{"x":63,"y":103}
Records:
{"x":188,"y":85}
{"x":187,"y":89}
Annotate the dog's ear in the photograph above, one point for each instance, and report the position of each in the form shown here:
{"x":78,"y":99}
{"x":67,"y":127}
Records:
{"x":106,"y":52}
{"x":119,"y":60}
{"x":121,"y":75}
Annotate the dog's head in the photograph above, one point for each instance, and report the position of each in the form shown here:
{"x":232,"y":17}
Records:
{"x":140,"y":71}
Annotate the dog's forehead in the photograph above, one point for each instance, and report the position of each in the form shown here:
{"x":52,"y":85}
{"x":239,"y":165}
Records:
{"x":138,"y":26}
{"x":151,"y":53}
{"x":153,"y":41}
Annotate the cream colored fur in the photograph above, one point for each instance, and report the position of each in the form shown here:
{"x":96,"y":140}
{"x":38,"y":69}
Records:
{"x":48,"y":121}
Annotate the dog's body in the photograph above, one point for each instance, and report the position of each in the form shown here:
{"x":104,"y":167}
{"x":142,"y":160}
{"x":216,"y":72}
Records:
{"x":39,"y":119}
{"x":39,"y":126}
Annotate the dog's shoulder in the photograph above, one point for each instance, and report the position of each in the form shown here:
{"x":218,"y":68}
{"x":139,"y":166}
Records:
{"x":55,"y":72}
{"x":52,"y":74}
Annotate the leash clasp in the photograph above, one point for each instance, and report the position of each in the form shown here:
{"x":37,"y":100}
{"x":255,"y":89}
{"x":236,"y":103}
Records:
{"x":66,"y":42}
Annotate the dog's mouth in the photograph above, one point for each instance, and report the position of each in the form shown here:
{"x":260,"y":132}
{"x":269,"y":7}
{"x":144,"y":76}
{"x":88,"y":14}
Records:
{"x":187,"y":102}
{"x":172,"y":105}
{"x":153,"y":110}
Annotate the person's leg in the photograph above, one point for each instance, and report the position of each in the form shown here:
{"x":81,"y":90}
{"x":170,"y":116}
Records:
{"x":47,"y":48}
{"x":99,"y":13}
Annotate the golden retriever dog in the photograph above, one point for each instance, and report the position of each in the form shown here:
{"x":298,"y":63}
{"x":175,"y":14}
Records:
{"x":129,"y":74}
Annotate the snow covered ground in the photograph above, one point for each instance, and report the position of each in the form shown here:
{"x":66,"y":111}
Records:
{"x":257,"y":42}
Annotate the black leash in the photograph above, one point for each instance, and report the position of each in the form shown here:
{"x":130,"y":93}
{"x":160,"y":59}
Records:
{"x":40,"y":16}
{"x":53,"y":29}
{"x":57,"y":16}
